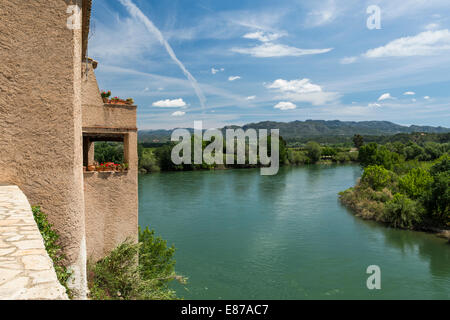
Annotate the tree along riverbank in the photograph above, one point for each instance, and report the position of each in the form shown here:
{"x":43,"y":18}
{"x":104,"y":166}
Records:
{"x":401,"y":192}
{"x":159,"y":158}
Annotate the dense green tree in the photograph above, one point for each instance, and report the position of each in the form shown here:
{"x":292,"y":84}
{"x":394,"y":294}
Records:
{"x":108,"y":152}
{"x":283,"y":152}
{"x":413,"y":151}
{"x":328,"y":151}
{"x":416,"y":183}
{"x":438,"y":200}
{"x":358,"y":141}
{"x":442,"y":165}
{"x":432,"y":151}
{"x":313,"y":151}
{"x":164,"y":156}
{"x":377,"y":177}
{"x":367,"y":153}
{"x":372,"y":154}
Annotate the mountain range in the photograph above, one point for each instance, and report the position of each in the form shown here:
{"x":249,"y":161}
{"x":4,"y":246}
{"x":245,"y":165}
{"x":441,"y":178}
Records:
{"x":312,"y":129}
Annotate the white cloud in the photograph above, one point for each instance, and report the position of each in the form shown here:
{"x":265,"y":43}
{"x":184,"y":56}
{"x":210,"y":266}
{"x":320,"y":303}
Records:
{"x":263,"y":36}
{"x":214,"y":71}
{"x":325,"y":14}
{"x":423,"y":44}
{"x":268,"y":50}
{"x":432,"y":26}
{"x":371,"y":105}
{"x":302,"y":90}
{"x":393,"y":9}
{"x":298,"y":86}
{"x":250,"y":98}
{"x":409,"y":93}
{"x":285,"y":105}
{"x":413,"y":100}
{"x":176,"y":103}
{"x":178,"y":113}
{"x":385,"y":96}
{"x":348,"y":60}
{"x":426,"y":98}
{"x":233,"y":78}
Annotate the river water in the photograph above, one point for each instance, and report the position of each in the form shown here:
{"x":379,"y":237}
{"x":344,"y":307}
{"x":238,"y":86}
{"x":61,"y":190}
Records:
{"x":240,"y":235}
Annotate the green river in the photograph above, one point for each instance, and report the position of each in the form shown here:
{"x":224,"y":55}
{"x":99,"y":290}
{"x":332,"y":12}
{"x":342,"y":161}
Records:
{"x":240,"y":235}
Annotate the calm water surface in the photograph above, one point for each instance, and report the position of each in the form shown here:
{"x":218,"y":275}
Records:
{"x":240,"y":235}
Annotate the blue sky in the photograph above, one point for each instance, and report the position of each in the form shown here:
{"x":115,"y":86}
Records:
{"x":235,"y":62}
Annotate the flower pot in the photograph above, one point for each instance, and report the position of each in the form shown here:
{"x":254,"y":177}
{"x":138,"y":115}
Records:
{"x":91,"y":168}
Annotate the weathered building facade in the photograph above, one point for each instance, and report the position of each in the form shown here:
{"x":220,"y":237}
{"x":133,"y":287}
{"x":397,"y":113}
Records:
{"x":51,"y":113}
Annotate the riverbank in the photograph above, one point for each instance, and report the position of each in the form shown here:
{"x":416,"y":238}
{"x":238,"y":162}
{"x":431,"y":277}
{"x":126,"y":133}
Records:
{"x":406,"y":194}
{"x":371,"y":205}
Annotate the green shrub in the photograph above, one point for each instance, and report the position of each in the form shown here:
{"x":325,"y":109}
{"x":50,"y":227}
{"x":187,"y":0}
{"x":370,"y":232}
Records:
{"x":402,"y":212}
{"x":366,"y":154}
{"x":381,"y":196}
{"x":135,"y":271}
{"x":413,"y":151}
{"x":297,"y":157}
{"x":116,"y":276}
{"x":416,"y":183}
{"x":377,"y":177}
{"x":438,"y":199}
{"x":313,"y":151}
{"x":372,"y":154}
{"x":328,"y":151}
{"x":353,"y":156}
{"x":51,"y":243}
{"x":108,"y":152}
{"x":342,"y":157}
{"x":148,"y":161}
{"x":441,"y":165}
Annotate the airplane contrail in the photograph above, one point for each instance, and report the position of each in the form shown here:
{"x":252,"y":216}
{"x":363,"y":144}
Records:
{"x":137,"y":13}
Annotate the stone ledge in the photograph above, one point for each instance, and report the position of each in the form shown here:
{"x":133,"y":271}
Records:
{"x":26,"y":270}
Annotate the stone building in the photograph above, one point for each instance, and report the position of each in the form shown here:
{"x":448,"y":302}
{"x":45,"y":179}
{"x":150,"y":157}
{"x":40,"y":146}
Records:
{"x":51,"y":114}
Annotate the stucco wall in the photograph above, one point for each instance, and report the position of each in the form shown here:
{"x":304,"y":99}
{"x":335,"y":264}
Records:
{"x":111,"y":198}
{"x":96,"y":113}
{"x":111,"y":210}
{"x":40,"y":123}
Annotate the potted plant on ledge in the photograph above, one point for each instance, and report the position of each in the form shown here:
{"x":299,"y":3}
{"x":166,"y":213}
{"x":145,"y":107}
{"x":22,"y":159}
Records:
{"x":105,"y":96}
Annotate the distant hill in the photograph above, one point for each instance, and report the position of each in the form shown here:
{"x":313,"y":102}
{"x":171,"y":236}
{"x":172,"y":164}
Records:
{"x":301,"y":130}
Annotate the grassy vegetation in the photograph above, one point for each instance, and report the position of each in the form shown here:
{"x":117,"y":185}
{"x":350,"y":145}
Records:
{"x":51,"y":242}
{"x":135,"y":271}
{"x":404,"y":186}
